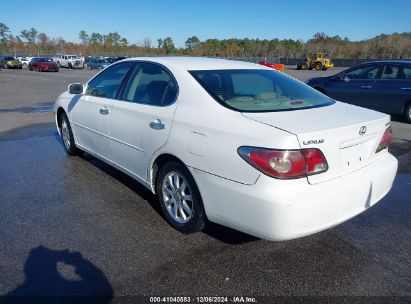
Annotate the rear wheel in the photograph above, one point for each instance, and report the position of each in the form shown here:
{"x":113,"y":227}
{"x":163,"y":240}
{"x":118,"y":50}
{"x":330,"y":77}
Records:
{"x":67,"y":136}
{"x":179,"y":198}
{"x":304,"y":66}
{"x":318,"y":66}
{"x":407,"y":113}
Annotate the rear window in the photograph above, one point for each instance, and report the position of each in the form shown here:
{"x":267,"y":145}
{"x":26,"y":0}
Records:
{"x":259,"y":90}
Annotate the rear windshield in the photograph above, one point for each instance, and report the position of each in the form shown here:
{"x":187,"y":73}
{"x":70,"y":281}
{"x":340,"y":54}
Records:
{"x":259,"y":90}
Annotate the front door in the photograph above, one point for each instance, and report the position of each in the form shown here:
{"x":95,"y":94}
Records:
{"x":355,"y":86}
{"x":90,"y":112}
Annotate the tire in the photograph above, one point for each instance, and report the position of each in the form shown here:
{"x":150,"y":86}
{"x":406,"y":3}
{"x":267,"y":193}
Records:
{"x":58,"y":63}
{"x":318,"y":66}
{"x":24,"y":65}
{"x":182,"y":207}
{"x":89,"y":67}
{"x":304,"y":66}
{"x":67,"y":136}
{"x":407,"y":113}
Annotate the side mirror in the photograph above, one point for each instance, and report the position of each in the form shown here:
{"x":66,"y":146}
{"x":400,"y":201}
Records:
{"x":75,"y":88}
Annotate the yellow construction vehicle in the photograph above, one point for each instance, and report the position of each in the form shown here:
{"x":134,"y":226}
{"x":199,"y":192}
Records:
{"x":316,"y":61}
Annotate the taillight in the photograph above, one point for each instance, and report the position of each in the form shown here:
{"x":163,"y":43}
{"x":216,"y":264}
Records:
{"x":385,"y":140}
{"x":285,"y":164}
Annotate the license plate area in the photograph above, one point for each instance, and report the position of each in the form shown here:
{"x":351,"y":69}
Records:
{"x":356,"y":156}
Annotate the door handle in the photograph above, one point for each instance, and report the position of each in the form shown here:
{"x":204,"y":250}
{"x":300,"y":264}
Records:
{"x":104,"y":110}
{"x":408,"y":89}
{"x":157,"y":124}
{"x":366,"y":87}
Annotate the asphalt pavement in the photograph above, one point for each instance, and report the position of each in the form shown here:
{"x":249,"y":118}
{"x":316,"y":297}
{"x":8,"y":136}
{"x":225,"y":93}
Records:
{"x":75,"y":226}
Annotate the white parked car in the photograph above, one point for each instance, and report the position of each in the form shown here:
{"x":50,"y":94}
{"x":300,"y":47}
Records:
{"x":25,"y":61}
{"x":69,"y":61}
{"x":236,"y":143}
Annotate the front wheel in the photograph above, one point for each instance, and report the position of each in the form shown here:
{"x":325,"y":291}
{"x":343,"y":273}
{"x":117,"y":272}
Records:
{"x":179,"y":198}
{"x":67,"y":136}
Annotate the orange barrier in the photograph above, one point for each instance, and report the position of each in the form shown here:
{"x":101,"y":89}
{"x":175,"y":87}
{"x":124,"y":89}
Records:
{"x":279,"y":66}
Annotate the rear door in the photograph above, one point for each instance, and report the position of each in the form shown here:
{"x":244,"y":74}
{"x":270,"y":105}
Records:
{"x":141,"y":120}
{"x":393,"y":89}
{"x":355,"y":85}
{"x":90,"y":112}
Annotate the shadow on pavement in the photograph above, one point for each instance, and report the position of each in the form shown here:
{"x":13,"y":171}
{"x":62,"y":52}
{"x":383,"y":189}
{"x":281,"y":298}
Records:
{"x":60,"y":276}
{"x":219,"y":232}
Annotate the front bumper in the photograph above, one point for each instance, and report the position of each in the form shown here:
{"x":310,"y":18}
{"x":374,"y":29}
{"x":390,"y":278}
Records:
{"x":281,"y":210}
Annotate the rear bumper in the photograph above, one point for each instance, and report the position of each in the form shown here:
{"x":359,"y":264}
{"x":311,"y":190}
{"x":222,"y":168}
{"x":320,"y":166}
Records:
{"x":282,"y":210}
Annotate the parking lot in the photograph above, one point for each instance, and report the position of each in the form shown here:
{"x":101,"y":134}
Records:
{"x":76,"y":226}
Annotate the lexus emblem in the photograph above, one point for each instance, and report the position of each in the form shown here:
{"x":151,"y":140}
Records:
{"x":362,"y":131}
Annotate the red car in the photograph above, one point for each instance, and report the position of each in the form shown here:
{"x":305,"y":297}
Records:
{"x":42,"y":64}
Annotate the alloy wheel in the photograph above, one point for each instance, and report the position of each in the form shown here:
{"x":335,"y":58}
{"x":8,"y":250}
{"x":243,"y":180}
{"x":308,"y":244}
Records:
{"x":177,"y":197}
{"x":65,"y":133}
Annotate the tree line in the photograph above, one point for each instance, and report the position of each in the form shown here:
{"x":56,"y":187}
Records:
{"x":32,"y":42}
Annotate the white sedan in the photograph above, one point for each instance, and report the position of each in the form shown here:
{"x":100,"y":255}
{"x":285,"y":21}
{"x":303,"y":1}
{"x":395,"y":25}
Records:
{"x":231,"y":142}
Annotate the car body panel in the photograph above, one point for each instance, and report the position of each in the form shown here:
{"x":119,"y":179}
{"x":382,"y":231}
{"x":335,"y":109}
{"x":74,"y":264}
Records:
{"x":205,"y":136}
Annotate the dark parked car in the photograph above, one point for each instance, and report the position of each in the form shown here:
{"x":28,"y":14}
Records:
{"x":97,"y":64}
{"x":380,"y":85}
{"x":42,"y":64}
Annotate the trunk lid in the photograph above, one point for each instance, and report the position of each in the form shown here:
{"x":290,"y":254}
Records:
{"x":337,"y":130}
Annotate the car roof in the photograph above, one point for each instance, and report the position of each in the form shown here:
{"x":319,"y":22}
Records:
{"x":387,"y":61}
{"x":199,"y":63}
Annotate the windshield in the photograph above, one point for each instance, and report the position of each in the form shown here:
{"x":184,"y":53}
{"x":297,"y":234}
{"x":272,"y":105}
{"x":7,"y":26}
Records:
{"x":9,"y":58}
{"x":45,"y":60}
{"x":259,"y":90}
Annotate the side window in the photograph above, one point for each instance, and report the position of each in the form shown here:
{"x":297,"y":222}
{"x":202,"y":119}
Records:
{"x":108,"y":83}
{"x":363,"y":72}
{"x":150,"y":84}
{"x":404,"y":73}
{"x":390,"y":72}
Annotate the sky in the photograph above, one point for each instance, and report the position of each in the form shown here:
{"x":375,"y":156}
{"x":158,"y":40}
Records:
{"x":263,"y":19}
